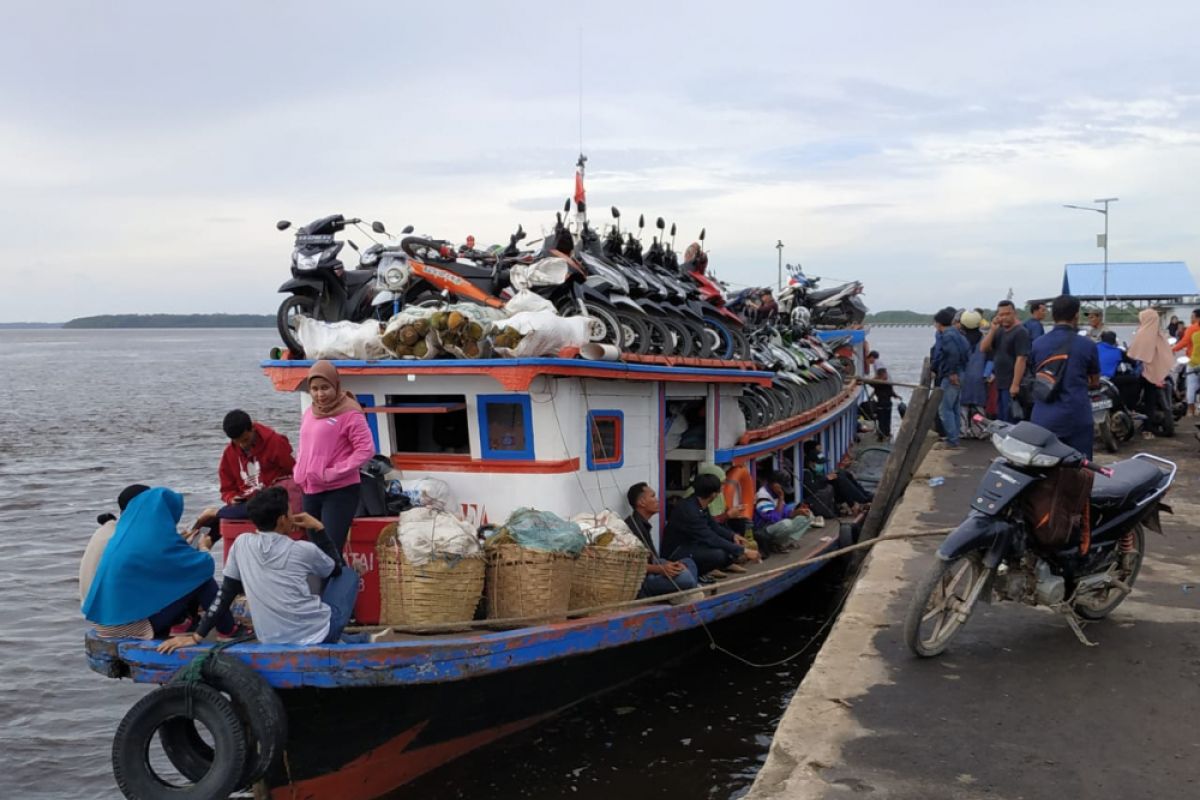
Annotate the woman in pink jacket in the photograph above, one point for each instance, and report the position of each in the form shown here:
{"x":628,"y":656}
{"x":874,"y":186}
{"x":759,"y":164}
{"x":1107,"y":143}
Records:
{"x":334,"y":442}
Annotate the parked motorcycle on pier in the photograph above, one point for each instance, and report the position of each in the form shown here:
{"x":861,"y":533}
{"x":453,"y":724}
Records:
{"x":1081,"y":565}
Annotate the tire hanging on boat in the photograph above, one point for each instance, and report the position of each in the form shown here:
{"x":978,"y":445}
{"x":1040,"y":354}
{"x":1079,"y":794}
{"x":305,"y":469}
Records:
{"x":136,"y":776}
{"x":257,"y":705}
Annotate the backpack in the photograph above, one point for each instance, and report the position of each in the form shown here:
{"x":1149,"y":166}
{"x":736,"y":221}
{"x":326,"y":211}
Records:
{"x":1047,"y":378}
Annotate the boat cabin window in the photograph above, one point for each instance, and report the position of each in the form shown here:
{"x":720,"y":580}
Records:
{"x":605,"y":445}
{"x":505,"y":427}
{"x":435,"y":423}
{"x":687,"y":427}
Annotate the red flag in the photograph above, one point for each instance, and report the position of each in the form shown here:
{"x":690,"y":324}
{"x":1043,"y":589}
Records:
{"x":580,"y":196}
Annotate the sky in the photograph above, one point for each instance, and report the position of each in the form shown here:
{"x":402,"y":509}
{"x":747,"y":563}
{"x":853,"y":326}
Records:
{"x":147,"y":148}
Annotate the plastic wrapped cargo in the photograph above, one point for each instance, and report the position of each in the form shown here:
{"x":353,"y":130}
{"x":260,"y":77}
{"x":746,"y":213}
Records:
{"x":334,"y":340}
{"x":543,"y":531}
{"x":540,"y":333}
{"x":607,"y":529}
{"x":410,"y":334}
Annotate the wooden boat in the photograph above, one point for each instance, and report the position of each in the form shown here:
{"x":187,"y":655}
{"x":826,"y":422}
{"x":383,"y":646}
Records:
{"x":564,"y":435}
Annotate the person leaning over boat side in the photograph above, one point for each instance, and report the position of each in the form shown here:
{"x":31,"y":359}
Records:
{"x":693,"y":533}
{"x":273,"y":570}
{"x":334,"y":442}
{"x":255,"y":458}
{"x":149,"y":572}
{"x":662,"y":576}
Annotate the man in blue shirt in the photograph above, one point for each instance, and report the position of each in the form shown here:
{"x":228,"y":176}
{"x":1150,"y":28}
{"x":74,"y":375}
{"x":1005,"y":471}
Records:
{"x":950,"y":355}
{"x":1037,"y":313}
{"x":1110,"y":355}
{"x":1069,"y":414}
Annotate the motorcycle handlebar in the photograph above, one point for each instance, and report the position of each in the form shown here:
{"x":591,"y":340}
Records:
{"x":408,"y":243}
{"x":1105,"y":471}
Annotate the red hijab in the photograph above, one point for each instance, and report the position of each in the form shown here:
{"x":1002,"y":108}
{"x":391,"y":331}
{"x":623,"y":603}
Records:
{"x":342,"y":401}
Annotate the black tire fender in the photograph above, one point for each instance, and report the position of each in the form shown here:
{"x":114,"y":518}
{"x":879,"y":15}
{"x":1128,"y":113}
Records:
{"x":257,"y":705}
{"x":134,"y":774}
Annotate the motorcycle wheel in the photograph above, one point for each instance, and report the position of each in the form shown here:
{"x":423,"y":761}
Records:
{"x":741,"y":347}
{"x":720,"y":340}
{"x":701,"y":346}
{"x":1096,"y":606}
{"x":295,"y":306}
{"x":635,"y":333}
{"x":1107,"y":437}
{"x":612,"y":329}
{"x":935,"y":614}
{"x":678,"y":341}
{"x":1122,"y":425}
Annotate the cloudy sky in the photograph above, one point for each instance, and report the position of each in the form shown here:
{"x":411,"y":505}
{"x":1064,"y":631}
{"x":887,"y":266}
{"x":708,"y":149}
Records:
{"x":147,"y":148}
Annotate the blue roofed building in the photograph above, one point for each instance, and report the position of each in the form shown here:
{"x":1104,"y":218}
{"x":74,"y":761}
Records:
{"x":1153,"y":283}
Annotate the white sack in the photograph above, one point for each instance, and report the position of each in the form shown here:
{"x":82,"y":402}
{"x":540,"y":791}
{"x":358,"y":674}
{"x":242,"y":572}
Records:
{"x":426,"y":534}
{"x":334,"y":340}
{"x":733,"y":423}
{"x":594,"y":525}
{"x":550,"y":271}
{"x":545,"y":333}
{"x":526,"y":300}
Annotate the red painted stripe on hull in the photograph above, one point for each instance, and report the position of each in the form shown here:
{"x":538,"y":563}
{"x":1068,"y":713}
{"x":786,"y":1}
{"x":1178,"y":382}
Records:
{"x":389,"y":766}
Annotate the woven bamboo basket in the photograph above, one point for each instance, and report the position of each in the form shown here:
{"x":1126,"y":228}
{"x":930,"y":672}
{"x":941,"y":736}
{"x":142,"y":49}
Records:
{"x":607,"y":575}
{"x":425,"y":594}
{"x":527,"y":583}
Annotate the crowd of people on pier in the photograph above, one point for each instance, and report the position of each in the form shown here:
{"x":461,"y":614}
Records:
{"x":1012,"y":370}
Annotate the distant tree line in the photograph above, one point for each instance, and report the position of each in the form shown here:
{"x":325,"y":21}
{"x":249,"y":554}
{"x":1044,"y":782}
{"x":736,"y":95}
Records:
{"x":174,"y":321}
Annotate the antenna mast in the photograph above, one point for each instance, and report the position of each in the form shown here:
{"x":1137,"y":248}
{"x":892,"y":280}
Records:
{"x":581,"y":164}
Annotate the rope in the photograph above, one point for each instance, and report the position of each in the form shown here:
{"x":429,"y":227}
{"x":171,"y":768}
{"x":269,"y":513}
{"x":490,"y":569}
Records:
{"x":521,"y":622}
{"x":193,"y":672}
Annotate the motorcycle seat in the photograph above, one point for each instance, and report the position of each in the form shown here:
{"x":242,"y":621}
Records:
{"x":1132,"y":479}
{"x":357,"y":277}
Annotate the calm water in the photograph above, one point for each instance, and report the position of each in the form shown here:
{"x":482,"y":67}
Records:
{"x":84,"y":413}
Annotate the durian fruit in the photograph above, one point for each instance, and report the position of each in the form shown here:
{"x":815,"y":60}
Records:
{"x":455,"y":320}
{"x":438,"y":320}
{"x":402,"y":350}
{"x":420,"y":349}
{"x":474,"y":331}
{"x":604,"y":539}
{"x":471,"y":350}
{"x":409,"y":335}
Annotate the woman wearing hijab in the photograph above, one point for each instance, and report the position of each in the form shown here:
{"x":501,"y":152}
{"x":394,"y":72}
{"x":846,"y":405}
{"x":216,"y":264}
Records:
{"x":1150,"y":347}
{"x":148,"y":573}
{"x":334,"y":442}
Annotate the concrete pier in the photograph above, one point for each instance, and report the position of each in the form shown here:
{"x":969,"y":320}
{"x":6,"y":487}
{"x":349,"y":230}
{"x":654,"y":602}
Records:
{"x":1016,"y":708}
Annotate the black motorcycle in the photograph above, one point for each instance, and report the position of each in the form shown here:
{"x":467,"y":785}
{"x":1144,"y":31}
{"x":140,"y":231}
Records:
{"x":1002,"y":550}
{"x":321,"y":287}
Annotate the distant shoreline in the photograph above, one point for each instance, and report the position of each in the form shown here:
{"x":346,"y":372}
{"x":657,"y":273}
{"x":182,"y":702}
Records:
{"x":172,"y":321}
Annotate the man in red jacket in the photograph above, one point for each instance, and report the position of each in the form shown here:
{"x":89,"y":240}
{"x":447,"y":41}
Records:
{"x":256,"y":458}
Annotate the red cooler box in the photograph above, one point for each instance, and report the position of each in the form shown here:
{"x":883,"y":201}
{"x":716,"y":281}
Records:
{"x":359,"y":553}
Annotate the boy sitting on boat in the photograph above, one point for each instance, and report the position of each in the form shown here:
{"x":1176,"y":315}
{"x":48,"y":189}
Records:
{"x":255,"y":458}
{"x":272,"y":570}
{"x":693,"y":533}
{"x":777,"y":521}
{"x":662,"y":576}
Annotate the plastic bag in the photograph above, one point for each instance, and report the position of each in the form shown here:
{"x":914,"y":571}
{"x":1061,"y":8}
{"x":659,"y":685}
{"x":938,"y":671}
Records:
{"x":540,"y":333}
{"x":733,"y":423}
{"x":549,"y":271}
{"x":677,"y":426}
{"x":545,"y":531}
{"x":435,"y":493}
{"x":359,"y":340}
{"x":426,"y":534}
{"x":607,"y":529}
{"x":410,"y":334}
{"x":526,"y":300}
{"x":464,"y":329}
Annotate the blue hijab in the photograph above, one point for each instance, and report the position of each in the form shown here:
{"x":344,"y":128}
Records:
{"x":146,"y":565}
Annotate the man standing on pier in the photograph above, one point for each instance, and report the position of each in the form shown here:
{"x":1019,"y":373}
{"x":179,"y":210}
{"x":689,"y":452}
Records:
{"x":950,"y":355}
{"x":1068,"y":412}
{"x":1037,"y":313}
{"x":1008,"y":343}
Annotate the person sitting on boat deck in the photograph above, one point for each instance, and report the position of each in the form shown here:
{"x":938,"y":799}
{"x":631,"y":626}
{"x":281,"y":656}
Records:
{"x":693,"y":533}
{"x":273,"y":571}
{"x":663,"y":576}
{"x":776,"y":521}
{"x":255,"y":458}
{"x":847,"y":491}
{"x":334,"y":442}
{"x":149,"y":573}
{"x":139,"y":629}
{"x":885,"y":393}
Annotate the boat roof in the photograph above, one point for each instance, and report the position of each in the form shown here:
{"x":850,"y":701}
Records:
{"x":515,"y":374}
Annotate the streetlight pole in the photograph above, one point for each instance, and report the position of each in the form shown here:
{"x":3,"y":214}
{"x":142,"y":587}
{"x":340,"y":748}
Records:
{"x":1104,"y":211}
{"x":779,"y":247}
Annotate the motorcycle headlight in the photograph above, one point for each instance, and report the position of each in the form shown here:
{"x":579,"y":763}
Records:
{"x":1020,"y":453}
{"x":308,"y":261}
{"x":395,"y":272}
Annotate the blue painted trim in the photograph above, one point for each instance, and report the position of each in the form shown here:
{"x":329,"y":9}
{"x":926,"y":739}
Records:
{"x":729,"y":454}
{"x":485,"y":451}
{"x":543,"y":363}
{"x":591,"y":457}
{"x":449,"y":658}
{"x":368,"y":401}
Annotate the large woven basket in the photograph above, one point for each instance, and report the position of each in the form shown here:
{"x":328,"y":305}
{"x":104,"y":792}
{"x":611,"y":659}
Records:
{"x":607,"y":575}
{"x":438,"y":592}
{"x":527,"y":583}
